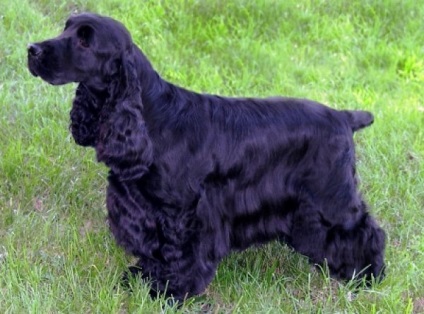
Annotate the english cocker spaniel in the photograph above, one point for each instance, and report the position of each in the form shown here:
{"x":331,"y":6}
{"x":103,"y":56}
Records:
{"x":194,"y":176}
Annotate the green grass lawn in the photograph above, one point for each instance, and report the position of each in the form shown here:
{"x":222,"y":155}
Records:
{"x":56,"y":252}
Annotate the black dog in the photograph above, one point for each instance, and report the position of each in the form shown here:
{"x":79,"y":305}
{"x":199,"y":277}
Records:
{"x":194,"y":176}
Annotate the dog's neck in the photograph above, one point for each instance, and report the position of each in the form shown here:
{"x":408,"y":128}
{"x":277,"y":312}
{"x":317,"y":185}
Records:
{"x":151,"y":83}
{"x":153,"y":87}
{"x":157,"y":94}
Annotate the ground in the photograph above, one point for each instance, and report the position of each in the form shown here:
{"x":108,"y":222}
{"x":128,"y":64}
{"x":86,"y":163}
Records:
{"x":56,"y":252}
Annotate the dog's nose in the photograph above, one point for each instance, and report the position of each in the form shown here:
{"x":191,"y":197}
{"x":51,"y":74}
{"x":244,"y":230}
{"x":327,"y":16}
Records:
{"x":34,"y":50}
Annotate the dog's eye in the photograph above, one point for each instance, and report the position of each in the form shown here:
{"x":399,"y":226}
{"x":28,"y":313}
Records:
{"x":85,"y":35}
{"x":83,"y":43}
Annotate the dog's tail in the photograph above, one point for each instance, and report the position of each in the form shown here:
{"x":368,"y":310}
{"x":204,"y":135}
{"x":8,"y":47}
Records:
{"x":359,"y":119}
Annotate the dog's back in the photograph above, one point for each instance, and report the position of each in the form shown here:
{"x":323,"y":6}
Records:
{"x":247,"y":115}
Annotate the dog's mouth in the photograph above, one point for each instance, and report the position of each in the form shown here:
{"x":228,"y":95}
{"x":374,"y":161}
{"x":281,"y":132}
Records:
{"x":37,"y":69}
{"x":32,"y":65}
{"x":32,"y":70}
{"x":39,"y":65}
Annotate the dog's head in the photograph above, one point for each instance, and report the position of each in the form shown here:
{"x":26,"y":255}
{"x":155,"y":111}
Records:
{"x":98,"y":53}
{"x":90,"y":50}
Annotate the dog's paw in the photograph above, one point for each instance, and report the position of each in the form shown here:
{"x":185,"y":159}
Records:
{"x":129,"y":275}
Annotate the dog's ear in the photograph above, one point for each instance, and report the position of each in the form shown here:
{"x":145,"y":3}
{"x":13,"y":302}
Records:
{"x":84,"y":115}
{"x":124,"y":144}
{"x":111,"y":73}
{"x":124,"y":79}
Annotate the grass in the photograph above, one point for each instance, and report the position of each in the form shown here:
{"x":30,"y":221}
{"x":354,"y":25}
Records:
{"x":56,"y":253}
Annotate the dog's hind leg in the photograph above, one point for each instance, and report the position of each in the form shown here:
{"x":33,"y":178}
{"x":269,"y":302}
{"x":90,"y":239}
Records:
{"x":352,"y":248}
{"x":332,"y":224}
{"x":356,"y":249}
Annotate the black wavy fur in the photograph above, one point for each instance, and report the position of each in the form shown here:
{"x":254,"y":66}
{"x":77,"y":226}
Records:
{"x":195,"y":176}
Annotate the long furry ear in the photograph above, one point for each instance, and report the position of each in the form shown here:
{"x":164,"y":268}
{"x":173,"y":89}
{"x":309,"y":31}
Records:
{"x":84,"y":116}
{"x":124,"y":144}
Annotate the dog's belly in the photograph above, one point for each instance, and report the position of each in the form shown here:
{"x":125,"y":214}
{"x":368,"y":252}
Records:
{"x":266,"y":223}
{"x":251,"y":230}
{"x":248,"y":216}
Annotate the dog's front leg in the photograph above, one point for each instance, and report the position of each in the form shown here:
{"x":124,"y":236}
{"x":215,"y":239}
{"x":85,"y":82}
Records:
{"x":175,"y":256}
